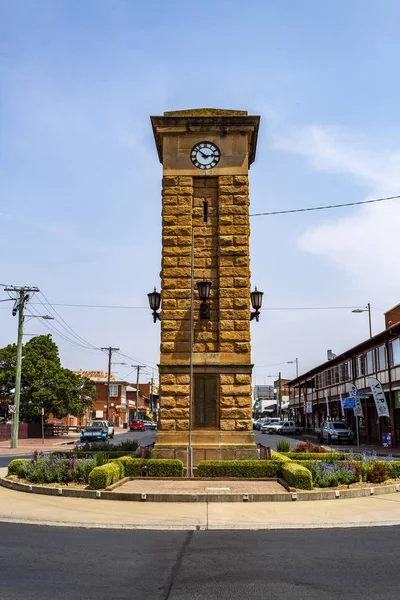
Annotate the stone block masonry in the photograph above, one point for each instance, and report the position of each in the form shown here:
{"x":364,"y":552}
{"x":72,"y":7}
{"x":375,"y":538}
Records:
{"x":213,"y":205}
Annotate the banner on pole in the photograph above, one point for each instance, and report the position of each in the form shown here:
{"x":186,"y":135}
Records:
{"x":327,"y":405}
{"x":309,"y":407}
{"x":379,"y":397}
{"x":341,"y":405}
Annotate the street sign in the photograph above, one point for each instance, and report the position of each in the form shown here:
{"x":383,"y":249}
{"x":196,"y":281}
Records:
{"x":11,"y":409}
{"x":349,"y":402}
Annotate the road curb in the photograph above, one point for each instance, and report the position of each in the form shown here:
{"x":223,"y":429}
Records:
{"x":201,"y":527}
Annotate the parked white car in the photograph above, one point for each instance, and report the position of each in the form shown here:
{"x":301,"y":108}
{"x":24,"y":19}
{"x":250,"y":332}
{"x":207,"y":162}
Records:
{"x":282,"y":428}
{"x":106,"y":426}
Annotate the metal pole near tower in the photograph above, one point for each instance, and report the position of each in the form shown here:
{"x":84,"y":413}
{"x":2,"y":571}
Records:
{"x":138,"y":367}
{"x":110,"y":350}
{"x":280,"y":395}
{"x":189,"y":471}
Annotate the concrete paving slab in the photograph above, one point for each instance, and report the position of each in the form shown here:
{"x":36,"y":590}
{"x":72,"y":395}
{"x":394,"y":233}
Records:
{"x":193,"y":486}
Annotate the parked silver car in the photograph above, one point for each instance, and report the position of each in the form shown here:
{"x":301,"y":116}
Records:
{"x":335,"y":432}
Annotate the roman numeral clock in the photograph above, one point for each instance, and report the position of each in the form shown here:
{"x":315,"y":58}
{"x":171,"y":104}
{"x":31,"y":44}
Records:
{"x":205,"y":156}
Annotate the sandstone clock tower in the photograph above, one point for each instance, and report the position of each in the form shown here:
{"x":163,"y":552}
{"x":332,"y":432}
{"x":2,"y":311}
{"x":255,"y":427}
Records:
{"x":206,"y":155}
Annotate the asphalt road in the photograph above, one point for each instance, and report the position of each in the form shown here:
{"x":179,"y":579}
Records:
{"x":46,"y":563}
{"x":148,"y":437}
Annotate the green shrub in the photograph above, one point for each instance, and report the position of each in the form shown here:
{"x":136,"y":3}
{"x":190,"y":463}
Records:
{"x":101,"y":459}
{"x":127,"y":445}
{"x":239,"y":468}
{"x":283,"y":446}
{"x":102,"y":477}
{"x":311,"y":456}
{"x":132,"y":466}
{"x":297,"y":476}
{"x":279,"y":456}
{"x":164,"y":467}
{"x":393,"y":468}
{"x":16,"y":467}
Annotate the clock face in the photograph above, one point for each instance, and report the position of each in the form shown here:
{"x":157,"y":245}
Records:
{"x":205,"y":155}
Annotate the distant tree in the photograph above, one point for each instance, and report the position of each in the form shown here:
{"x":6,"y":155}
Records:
{"x":44,"y":382}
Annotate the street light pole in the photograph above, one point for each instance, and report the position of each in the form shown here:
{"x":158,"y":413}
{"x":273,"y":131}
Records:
{"x":291,"y":362}
{"x":110,"y":350}
{"x":189,"y":471}
{"x":368,"y":310}
{"x":369,"y":319}
{"x":280,"y":395}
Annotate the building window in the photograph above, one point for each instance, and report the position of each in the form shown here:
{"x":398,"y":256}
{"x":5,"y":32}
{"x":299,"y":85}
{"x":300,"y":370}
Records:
{"x":369,"y":363}
{"x":335,"y":375}
{"x":205,"y":401}
{"x":396,"y":352}
{"x":348,"y":370}
{"x":113,"y":391}
{"x":328,"y":377}
{"x":382,"y":363}
{"x":359,"y":366}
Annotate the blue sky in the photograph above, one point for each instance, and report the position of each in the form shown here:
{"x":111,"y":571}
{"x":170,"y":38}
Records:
{"x":80,"y":178}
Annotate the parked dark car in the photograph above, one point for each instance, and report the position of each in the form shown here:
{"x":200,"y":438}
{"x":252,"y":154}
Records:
{"x":335,"y":432}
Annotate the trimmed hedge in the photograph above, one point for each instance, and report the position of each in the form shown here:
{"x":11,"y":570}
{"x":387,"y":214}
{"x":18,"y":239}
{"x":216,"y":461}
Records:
{"x":303,"y":463}
{"x":239,"y":468}
{"x":15,"y":466}
{"x":102,"y":477}
{"x":280,"y":456}
{"x":315,"y":456}
{"x":155,"y":467}
{"x":297,"y":476}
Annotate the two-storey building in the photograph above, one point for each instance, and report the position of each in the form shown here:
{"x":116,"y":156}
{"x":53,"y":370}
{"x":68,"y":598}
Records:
{"x":316,"y":395}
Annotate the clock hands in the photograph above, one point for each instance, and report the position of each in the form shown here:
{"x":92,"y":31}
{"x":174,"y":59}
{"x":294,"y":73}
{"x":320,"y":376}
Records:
{"x":205,"y":155}
{"x":212,"y":155}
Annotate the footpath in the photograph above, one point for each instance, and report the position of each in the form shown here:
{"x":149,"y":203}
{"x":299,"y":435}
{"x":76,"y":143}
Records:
{"x":20,"y":507}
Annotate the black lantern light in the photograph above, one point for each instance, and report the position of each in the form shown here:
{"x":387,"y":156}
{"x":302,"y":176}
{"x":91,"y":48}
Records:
{"x":204,"y":294}
{"x":154,"y":302}
{"x":256,"y":302}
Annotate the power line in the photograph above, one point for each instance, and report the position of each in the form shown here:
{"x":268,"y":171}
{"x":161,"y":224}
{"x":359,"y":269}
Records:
{"x":311,"y":307}
{"x":67,"y":327}
{"x":135,"y":360}
{"x":295,"y":210}
{"x":63,"y":336}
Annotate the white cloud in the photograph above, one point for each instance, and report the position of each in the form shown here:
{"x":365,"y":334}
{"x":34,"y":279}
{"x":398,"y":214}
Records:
{"x":362,"y":245}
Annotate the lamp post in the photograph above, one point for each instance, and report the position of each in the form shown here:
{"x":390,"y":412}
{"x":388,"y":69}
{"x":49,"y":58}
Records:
{"x":256,"y":302}
{"x":296,"y":362}
{"x":368,"y":310}
{"x":154,"y":302}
